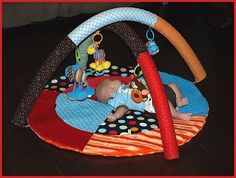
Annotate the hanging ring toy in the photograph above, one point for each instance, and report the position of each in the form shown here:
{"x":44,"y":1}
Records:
{"x":147,"y":35}
{"x":138,"y":71}
{"x":136,"y":96}
{"x":152,"y":47}
{"x":96,"y":35}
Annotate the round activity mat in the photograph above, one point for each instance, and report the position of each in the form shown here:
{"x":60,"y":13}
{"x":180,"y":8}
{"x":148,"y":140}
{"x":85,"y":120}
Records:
{"x":134,"y":134}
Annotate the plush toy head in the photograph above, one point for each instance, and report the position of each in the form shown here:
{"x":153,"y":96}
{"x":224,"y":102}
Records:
{"x":106,"y":89}
{"x":140,"y":92}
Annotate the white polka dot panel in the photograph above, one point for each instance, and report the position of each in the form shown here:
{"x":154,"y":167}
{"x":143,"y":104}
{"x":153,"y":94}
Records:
{"x":54,"y":81}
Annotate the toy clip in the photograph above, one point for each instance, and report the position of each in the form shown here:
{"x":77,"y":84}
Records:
{"x":152,"y":47}
{"x":99,"y":55}
{"x":97,"y":34}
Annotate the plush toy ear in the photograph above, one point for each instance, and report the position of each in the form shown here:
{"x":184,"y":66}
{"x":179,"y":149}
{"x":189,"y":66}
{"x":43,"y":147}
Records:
{"x":145,"y":92}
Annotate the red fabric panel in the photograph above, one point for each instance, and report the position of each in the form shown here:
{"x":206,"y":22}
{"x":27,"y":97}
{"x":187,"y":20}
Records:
{"x":44,"y":121}
{"x":161,"y":106}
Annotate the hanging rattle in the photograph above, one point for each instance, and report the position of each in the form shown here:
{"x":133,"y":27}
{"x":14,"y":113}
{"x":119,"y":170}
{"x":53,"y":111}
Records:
{"x":77,"y":75}
{"x":98,"y":54}
{"x":152,"y":47}
{"x":140,"y":92}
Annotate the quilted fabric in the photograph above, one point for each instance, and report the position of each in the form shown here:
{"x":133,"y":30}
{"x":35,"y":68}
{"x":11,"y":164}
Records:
{"x":198,"y":104}
{"x":110,"y":16}
{"x":86,"y":120}
{"x":85,"y":115}
{"x":44,"y":121}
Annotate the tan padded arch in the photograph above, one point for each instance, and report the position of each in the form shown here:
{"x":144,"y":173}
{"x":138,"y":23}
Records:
{"x":182,"y":47}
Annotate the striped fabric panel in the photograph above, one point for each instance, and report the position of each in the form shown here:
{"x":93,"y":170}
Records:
{"x":142,"y":143}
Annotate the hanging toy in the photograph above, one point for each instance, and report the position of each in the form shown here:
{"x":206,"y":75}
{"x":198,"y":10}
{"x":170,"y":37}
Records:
{"x":152,"y":47}
{"x":77,"y":56}
{"x":138,"y":84}
{"x":140,"y":92}
{"x":81,"y":54}
{"x":77,"y":75}
{"x":139,"y":73}
{"x":99,"y":63}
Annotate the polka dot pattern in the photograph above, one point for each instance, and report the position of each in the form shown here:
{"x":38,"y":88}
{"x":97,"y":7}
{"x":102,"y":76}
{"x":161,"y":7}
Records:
{"x":62,"y":89}
{"x":63,"y":77}
{"x":131,"y":123}
{"x":54,"y":81}
{"x":114,"y":67}
{"x":54,"y":87}
{"x":121,"y":121}
{"x":112,"y":125}
{"x":115,"y":73}
{"x":134,"y":129}
{"x":112,"y":132}
{"x":61,"y":83}
{"x":140,"y":118}
{"x":154,"y":126}
{"x":142,"y":124}
{"x":129,"y":117}
{"x":102,"y":130}
{"x":123,"y":127}
{"x":151,"y":120}
{"x":123,"y":69}
{"x":137,"y":113}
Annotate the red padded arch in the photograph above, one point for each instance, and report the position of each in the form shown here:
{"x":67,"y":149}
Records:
{"x":161,"y":105}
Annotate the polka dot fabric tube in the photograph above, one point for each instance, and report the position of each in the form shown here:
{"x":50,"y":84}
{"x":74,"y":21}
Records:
{"x":40,"y":80}
{"x":129,"y":36}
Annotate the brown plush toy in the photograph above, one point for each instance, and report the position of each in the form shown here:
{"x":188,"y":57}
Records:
{"x":140,"y":92}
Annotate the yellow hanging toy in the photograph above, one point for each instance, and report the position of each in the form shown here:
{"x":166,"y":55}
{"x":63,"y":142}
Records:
{"x":98,"y":54}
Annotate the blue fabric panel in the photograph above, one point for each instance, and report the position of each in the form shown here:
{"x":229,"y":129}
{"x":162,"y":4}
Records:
{"x":110,"y":16}
{"x":198,"y":105}
{"x":84,"y":115}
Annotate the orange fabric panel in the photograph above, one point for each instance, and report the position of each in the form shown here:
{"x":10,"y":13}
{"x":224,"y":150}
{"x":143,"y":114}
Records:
{"x":182,"y":47}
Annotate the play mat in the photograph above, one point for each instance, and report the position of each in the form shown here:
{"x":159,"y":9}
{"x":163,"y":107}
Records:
{"x":64,"y":110}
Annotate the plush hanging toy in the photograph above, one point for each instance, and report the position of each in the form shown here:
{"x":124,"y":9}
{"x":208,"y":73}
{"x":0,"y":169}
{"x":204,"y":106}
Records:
{"x":152,"y":47}
{"x":140,"y":92}
{"x":98,"y":54}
